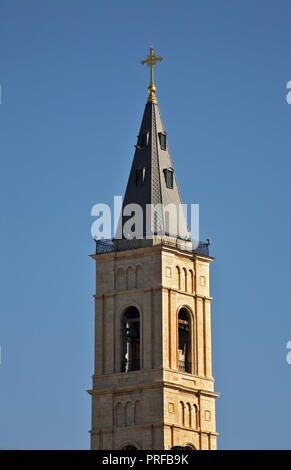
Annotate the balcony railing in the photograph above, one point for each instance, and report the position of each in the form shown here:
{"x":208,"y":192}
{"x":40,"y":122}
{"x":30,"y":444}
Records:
{"x":111,"y":245}
{"x":104,"y":246}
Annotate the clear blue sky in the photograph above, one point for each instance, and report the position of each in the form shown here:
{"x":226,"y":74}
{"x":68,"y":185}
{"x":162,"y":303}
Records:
{"x":73,"y":94}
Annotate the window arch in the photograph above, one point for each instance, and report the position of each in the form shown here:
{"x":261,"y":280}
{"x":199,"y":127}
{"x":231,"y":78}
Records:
{"x":182,"y":407}
{"x":196,"y":417}
{"x":184,"y":341}
{"x":139,"y":276}
{"x":130,"y":339}
{"x":184,"y":280}
{"x":128,"y":414}
{"x":130,"y":278}
{"x":178,"y":277}
{"x":138,"y":412}
{"x":189,"y":416}
{"x":186,"y":446}
{"x":191,"y":281}
{"x":189,"y":447}
{"x":119,"y":414}
{"x":128,"y":447}
{"x":120,"y":279}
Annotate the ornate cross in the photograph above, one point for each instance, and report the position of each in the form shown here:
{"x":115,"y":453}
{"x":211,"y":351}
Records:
{"x":151,"y":61}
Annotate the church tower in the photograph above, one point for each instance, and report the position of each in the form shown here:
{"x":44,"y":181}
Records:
{"x":152,"y":385}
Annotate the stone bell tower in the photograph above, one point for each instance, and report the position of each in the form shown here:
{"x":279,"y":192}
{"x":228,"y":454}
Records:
{"x":152,"y":385}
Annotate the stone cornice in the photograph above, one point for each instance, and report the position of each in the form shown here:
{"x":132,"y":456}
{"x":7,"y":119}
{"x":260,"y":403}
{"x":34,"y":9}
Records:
{"x":189,"y":294}
{"x":117,"y":390}
{"x":197,"y":391}
{"x":148,"y":289}
{"x":126,"y":292}
{"x":119,"y":428}
{"x":125,"y":389}
{"x":199,"y":431}
{"x":188,"y":376}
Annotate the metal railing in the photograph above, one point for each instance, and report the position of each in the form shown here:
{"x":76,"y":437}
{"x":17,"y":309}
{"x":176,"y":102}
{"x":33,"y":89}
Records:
{"x":111,"y":245}
{"x":104,"y":246}
{"x":202,"y":249}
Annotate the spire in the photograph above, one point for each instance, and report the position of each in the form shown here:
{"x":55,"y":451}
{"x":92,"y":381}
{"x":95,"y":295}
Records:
{"x":152,"y":180}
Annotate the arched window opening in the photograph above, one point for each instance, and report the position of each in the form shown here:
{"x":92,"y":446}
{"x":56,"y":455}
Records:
{"x":189,"y":416}
{"x":184,"y":346}
{"x":186,"y":447}
{"x":120,"y":279}
{"x":130,"y":340}
{"x":191,"y":281}
{"x":195,"y":424}
{"x":182,"y":413}
{"x":184,"y":286}
{"x":129,"y":447}
{"x":182,"y":279}
{"x":130,"y":278}
{"x":178,"y":277}
{"x":128,"y":414}
{"x":119,"y":414}
{"x":139,"y":276}
{"x":137,"y":413}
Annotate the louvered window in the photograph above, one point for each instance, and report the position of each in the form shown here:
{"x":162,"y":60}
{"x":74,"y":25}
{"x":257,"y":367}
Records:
{"x":169,"y":178}
{"x":163,"y":141}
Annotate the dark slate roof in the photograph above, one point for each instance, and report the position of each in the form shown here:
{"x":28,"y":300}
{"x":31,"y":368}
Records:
{"x":149,"y":156}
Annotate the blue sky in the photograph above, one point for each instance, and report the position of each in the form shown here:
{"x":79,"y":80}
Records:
{"x":73,"y":94}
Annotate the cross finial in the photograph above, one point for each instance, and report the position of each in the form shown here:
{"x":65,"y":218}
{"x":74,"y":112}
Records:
{"x":151,"y":61}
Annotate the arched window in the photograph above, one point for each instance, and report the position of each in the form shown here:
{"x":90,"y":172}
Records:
{"x":189,"y":416}
{"x":178,"y":278}
{"x":137,"y":412}
{"x":184,"y":280}
{"x":196,"y":417}
{"x":189,"y":447}
{"x":129,"y":447}
{"x":186,"y":447}
{"x":130,"y":338}
{"x":119,"y":415}
{"x":184,"y":341}
{"x":191,"y":281}
{"x":139,"y":276}
{"x":128,"y":414}
{"x":120,"y":279}
{"x":182,"y":407}
{"x":130,"y":278}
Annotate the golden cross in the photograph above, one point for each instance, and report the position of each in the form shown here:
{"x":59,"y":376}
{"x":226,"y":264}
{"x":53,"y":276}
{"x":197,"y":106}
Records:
{"x":151,"y":61}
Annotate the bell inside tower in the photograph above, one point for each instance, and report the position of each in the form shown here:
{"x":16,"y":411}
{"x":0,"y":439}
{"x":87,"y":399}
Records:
{"x":184,"y":335}
{"x":130,"y":360}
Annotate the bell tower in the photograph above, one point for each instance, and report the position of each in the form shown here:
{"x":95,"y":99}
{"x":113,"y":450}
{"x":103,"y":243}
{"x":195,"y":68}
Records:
{"x":152,"y":385}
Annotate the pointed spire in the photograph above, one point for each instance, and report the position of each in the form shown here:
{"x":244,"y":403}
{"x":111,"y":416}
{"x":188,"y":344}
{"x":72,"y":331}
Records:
{"x":152,"y":181}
